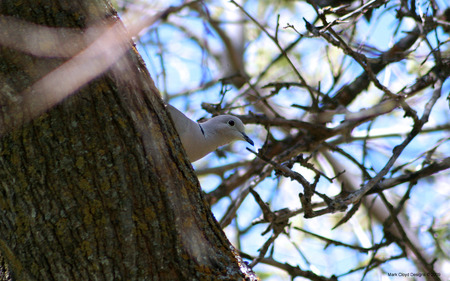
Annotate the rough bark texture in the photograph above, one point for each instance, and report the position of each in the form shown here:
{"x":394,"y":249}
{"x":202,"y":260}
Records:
{"x":98,"y":188}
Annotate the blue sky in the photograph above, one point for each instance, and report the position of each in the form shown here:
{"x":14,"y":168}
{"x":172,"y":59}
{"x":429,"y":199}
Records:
{"x":167,"y":50}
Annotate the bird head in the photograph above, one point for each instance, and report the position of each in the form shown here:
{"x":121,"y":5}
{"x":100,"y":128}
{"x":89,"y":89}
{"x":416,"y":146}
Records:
{"x":229,"y":128}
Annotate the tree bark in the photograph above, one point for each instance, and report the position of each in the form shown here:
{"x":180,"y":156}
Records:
{"x":98,"y":186}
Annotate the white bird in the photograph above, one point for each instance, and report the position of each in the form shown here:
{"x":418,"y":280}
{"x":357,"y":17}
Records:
{"x":199,"y":139}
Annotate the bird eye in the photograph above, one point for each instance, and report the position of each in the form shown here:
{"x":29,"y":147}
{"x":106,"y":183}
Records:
{"x":231,"y":122}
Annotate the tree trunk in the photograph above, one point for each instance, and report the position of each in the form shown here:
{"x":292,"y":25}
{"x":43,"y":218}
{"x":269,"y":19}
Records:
{"x":98,"y":186}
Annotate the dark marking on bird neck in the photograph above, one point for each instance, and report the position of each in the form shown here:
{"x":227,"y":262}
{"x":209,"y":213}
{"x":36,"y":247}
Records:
{"x":201,"y":129}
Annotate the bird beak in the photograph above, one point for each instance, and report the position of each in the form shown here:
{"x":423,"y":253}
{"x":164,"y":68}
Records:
{"x":247,"y":139}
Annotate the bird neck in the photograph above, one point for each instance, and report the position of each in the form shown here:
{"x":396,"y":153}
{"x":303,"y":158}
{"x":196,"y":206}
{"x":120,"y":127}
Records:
{"x":213,"y":135}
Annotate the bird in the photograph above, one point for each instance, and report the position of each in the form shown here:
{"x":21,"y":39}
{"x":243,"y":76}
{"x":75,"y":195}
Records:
{"x":199,"y":139}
